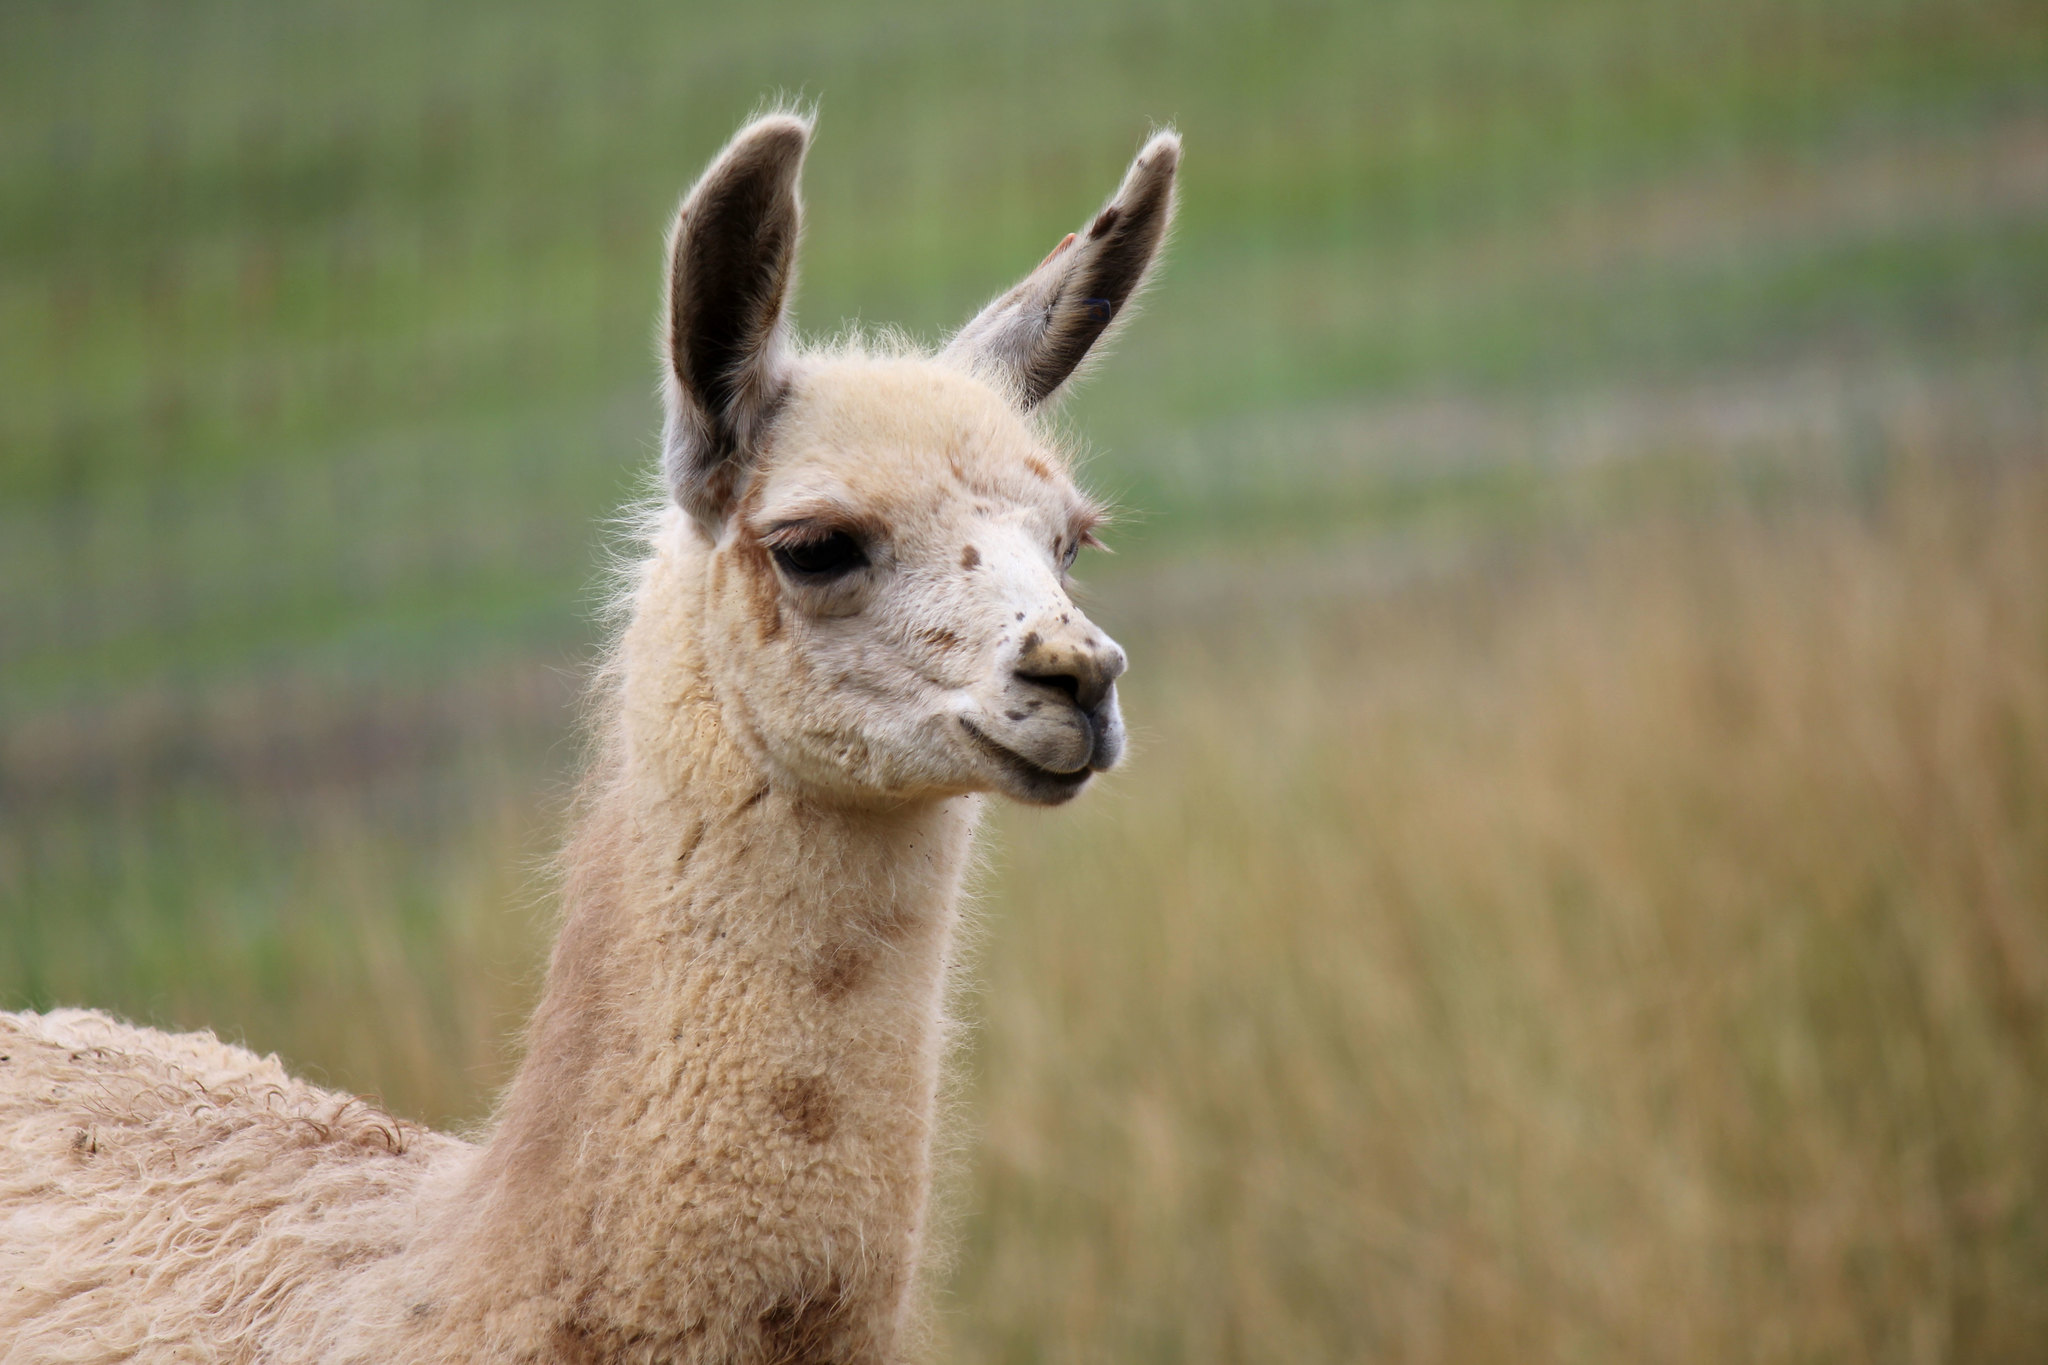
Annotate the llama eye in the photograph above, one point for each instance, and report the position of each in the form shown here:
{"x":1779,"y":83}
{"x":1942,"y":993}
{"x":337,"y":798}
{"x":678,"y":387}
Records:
{"x":830,"y":556}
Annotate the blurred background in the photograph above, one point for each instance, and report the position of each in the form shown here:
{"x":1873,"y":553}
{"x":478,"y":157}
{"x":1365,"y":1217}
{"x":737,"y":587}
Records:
{"x":1581,"y":892}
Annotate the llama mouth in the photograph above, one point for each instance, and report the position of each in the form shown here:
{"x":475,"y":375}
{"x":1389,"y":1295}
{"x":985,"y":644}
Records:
{"x":1034,"y":776}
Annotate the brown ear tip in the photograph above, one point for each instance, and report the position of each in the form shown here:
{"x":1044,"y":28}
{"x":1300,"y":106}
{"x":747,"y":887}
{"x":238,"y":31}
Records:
{"x":773,"y":138}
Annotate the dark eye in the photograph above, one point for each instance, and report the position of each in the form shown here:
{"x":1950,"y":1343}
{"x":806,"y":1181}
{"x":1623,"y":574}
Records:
{"x":821,"y":558}
{"x":1068,"y":552}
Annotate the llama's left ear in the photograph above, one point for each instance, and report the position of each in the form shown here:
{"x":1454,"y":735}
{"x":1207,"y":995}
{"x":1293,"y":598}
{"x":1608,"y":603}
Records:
{"x":731,"y":267}
{"x":1033,"y":338}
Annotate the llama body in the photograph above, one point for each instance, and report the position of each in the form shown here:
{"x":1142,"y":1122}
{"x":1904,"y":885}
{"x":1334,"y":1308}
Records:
{"x":851,"y":623}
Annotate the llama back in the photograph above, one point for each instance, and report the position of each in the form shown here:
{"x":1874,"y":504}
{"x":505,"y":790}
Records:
{"x":174,"y":1197}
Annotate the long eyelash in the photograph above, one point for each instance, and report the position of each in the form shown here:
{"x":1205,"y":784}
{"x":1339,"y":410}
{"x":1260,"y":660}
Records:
{"x":794,"y":535}
{"x":803,"y":524}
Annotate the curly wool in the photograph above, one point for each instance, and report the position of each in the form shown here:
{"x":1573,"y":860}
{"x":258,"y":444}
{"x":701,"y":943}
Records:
{"x":171,"y":1197}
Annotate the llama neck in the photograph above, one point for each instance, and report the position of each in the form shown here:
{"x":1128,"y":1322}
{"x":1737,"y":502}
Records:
{"x":719,"y":1144}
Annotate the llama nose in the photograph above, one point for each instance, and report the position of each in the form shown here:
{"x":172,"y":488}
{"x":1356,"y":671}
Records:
{"x":1083,"y":663}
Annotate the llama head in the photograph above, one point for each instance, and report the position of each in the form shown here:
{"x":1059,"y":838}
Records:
{"x":886,"y":539}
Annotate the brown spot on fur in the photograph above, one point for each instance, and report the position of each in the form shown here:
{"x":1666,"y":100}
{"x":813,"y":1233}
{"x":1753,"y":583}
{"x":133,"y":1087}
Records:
{"x":940,"y":637}
{"x":970,"y":557}
{"x":805,"y":1103}
{"x":1028,"y":643}
{"x":588,"y":1335}
{"x":576,"y":1343}
{"x":800,"y":1329}
{"x":840,"y":968}
{"x":1038,"y":467}
{"x":764,"y":593}
{"x":581,"y":1341}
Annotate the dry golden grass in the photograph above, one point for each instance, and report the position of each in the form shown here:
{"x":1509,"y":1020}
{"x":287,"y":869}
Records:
{"x":1631,"y":952}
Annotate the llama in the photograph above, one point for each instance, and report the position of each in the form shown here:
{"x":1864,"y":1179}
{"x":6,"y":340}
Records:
{"x":852,"y":623}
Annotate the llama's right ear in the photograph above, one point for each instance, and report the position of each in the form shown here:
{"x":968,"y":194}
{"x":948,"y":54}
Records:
{"x":1033,"y":338}
{"x":731,"y":265}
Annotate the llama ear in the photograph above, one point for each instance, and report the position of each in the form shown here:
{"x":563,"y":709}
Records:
{"x":731,"y":266}
{"x":1034,"y":337}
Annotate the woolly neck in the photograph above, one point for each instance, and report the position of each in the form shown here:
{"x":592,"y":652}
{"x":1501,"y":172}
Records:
{"x":718,"y":1146}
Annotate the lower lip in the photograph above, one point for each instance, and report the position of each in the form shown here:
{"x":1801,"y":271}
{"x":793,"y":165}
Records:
{"x":1017,"y":763}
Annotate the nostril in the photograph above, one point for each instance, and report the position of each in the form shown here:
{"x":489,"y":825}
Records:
{"x":1063,"y":682}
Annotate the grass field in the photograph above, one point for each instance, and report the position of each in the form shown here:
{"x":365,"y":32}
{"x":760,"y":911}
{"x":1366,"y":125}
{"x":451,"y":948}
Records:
{"x":1581,"y":892}
{"x":1625,"y":950}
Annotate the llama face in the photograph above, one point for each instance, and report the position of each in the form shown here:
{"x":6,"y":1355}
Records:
{"x":887,"y":539}
{"x":889,"y":603}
